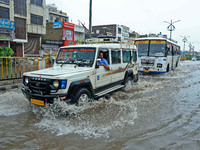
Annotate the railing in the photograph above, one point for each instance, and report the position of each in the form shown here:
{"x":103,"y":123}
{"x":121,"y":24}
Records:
{"x":14,"y":67}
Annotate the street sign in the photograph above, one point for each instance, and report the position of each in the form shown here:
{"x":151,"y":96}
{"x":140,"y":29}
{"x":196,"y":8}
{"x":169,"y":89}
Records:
{"x":7,"y":24}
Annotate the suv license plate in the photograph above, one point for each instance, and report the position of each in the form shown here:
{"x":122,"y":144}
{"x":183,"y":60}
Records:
{"x":37,"y":102}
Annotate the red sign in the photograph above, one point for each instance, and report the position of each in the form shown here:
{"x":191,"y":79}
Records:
{"x":68,"y":33}
{"x":68,"y":25}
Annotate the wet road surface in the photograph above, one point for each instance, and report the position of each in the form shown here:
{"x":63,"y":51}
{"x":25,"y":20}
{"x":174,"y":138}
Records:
{"x":161,"y":112}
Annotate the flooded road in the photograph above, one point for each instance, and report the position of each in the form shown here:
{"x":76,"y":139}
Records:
{"x":161,"y":112}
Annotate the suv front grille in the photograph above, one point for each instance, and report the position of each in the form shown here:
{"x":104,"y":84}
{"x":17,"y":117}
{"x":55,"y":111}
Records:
{"x":40,"y":86}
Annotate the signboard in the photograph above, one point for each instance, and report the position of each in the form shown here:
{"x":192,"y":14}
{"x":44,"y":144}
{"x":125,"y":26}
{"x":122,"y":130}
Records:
{"x":158,"y":42}
{"x":142,"y":42}
{"x":68,"y":35}
{"x":57,"y":24}
{"x":68,"y":25}
{"x":7,"y":24}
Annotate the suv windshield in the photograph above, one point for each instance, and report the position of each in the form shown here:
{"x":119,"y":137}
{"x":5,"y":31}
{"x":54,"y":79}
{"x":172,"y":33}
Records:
{"x":81,"y":56}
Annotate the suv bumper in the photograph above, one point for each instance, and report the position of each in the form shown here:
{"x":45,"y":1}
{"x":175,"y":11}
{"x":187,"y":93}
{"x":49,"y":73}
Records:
{"x":45,"y":98}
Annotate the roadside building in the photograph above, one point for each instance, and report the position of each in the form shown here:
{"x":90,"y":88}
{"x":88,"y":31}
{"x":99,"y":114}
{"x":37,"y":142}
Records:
{"x":120,"y":32}
{"x":133,"y":35}
{"x":59,"y":31}
{"x":55,"y":15}
{"x":28,"y":18}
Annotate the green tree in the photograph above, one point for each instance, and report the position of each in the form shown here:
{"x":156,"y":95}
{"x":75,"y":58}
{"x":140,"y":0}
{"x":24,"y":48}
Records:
{"x":188,"y":56}
{"x":6,"y":52}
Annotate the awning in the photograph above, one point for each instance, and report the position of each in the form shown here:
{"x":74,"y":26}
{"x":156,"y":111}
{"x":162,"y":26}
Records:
{"x":5,"y":37}
{"x":50,"y":47}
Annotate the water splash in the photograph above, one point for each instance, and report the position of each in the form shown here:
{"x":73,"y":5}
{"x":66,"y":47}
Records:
{"x":95,"y":119}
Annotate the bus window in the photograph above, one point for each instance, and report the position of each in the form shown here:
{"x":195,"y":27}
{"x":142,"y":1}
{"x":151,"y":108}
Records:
{"x":157,"y":48}
{"x":142,"y":47}
{"x":126,"y":56}
{"x":116,"y":56}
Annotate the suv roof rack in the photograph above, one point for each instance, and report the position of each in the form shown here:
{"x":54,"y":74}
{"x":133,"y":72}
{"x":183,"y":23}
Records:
{"x":107,"y":40}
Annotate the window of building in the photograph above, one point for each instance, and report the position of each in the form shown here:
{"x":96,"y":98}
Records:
{"x":97,"y":31}
{"x":7,"y":2}
{"x":37,"y":2}
{"x":57,"y":19}
{"x":126,"y":56}
{"x":20,"y":28}
{"x":4,"y":13}
{"x":35,"y":19}
{"x":51,"y":18}
{"x":116,"y":56}
{"x":119,"y":31}
{"x":20,"y":7}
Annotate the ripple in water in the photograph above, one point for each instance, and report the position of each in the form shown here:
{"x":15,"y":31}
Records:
{"x":13,"y":103}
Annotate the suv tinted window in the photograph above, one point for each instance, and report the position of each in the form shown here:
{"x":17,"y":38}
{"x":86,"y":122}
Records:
{"x":126,"y":56}
{"x":116,"y":56}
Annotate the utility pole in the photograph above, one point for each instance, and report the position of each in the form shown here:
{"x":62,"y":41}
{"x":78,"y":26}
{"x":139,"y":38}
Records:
{"x":90,"y":19}
{"x":184,"y":41}
{"x":171,"y":27}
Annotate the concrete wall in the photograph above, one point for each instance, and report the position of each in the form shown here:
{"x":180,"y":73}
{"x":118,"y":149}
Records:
{"x":53,"y":33}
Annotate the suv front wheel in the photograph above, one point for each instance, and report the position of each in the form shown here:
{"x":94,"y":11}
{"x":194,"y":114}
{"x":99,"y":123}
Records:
{"x":82,"y":96}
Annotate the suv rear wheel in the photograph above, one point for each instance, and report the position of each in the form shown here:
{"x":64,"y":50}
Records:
{"x":128,"y":82}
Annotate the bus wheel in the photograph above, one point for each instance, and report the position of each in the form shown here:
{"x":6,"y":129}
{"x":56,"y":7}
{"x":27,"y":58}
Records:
{"x":167,"y":68}
{"x":82,"y":97}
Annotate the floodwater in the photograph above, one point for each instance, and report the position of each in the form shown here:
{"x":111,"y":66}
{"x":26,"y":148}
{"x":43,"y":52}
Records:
{"x":160,"y":112}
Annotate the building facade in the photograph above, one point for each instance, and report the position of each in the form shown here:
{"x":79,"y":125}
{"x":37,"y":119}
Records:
{"x":55,"y":15}
{"x":120,"y":32}
{"x":60,"y":32}
{"x":29,"y":19}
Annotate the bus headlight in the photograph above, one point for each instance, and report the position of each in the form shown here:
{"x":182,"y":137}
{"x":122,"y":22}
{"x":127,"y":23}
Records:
{"x":56,"y":84}
{"x":159,"y":65}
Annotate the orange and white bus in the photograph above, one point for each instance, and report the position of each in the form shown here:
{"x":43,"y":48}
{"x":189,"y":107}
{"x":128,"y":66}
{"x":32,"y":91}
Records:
{"x":157,"y":55}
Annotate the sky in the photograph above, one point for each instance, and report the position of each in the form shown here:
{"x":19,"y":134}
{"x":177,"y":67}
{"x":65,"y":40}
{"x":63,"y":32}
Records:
{"x":142,"y":16}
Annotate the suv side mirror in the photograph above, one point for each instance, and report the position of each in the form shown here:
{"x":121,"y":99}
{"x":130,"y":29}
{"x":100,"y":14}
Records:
{"x":98,"y":63}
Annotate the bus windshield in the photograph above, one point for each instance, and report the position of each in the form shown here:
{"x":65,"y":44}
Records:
{"x":142,"y":50}
{"x":81,"y":56}
{"x":142,"y":47}
{"x":157,"y":50}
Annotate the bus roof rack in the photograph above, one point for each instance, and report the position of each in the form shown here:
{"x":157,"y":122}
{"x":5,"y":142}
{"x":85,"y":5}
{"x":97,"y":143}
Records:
{"x":107,"y":40}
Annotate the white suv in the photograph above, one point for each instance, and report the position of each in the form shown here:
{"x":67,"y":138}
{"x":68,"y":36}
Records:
{"x":76,"y":76}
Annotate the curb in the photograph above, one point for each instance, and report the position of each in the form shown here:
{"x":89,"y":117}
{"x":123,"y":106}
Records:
{"x":9,"y":87}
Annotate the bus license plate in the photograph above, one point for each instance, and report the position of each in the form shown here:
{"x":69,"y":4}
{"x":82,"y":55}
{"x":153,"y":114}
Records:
{"x":37,"y":102}
{"x":146,"y":70}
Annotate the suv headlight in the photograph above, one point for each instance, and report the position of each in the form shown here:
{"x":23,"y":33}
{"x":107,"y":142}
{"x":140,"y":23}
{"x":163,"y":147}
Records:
{"x":56,"y":84}
{"x":26,"y":80}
